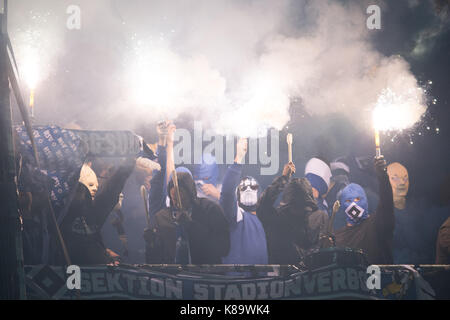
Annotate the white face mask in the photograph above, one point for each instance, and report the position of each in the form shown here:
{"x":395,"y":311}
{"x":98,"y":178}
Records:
{"x":89,"y":179}
{"x":248,"y":192}
{"x":249,"y":197}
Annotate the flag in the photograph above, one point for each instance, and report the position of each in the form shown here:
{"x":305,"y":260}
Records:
{"x":61,"y":155}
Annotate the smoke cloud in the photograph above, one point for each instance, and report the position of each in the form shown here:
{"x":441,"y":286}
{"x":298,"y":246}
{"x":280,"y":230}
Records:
{"x":235,"y":65}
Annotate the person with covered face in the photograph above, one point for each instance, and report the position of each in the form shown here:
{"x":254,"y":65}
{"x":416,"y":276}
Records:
{"x":297,"y":224}
{"x":408,"y":245}
{"x":238,"y":199}
{"x":340,"y":178}
{"x":371,"y":232}
{"x":120,"y":230}
{"x":88,"y":211}
{"x":318,"y":173}
{"x":190,"y":231}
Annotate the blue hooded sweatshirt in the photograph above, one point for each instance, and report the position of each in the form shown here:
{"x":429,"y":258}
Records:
{"x":356,"y":211}
{"x":247,"y":237}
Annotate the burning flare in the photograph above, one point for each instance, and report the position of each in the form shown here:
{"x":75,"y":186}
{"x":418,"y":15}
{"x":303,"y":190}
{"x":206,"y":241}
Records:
{"x":397,"y":111}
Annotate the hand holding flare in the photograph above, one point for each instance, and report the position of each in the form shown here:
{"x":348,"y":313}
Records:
{"x":289,"y":169}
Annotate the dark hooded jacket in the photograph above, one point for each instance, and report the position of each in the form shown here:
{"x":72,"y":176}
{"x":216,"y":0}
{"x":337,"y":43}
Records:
{"x":375,"y":234}
{"x":295,"y":225}
{"x":443,"y":244}
{"x":81,"y":226}
{"x":208,"y":231}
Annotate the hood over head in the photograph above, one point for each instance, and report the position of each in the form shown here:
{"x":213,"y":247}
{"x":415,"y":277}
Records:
{"x":356,"y":210}
{"x":186,"y":183}
{"x":298,"y":194}
{"x":207,"y":171}
{"x":319,"y":174}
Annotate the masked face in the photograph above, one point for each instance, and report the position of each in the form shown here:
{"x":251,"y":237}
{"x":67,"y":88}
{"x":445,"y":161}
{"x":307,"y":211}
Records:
{"x":398,"y":176}
{"x":248,"y":193}
{"x":353,"y":201}
{"x":89,"y":179}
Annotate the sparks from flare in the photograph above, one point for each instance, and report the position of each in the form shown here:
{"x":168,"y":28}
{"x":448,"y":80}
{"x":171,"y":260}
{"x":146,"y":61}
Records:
{"x":397,"y":112}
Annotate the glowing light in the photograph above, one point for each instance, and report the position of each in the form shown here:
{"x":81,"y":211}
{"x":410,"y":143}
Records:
{"x":166,"y":84}
{"x":394,"y":111}
{"x":397,"y":111}
{"x":153,"y":81}
{"x":30,"y":73}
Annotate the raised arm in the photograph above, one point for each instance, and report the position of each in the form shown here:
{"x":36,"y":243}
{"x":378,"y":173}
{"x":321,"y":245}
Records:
{"x":108,"y":197}
{"x":231,"y":180}
{"x":384,"y":215}
{"x":158,"y":186}
{"x":170,"y":156}
{"x":268,"y":197}
{"x":157,"y":194}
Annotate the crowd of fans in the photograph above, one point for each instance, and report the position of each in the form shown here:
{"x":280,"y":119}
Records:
{"x":147,"y":211}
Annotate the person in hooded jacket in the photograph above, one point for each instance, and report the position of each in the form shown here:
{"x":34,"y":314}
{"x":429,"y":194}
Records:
{"x":373,"y":233}
{"x":238,"y":199}
{"x":443,"y":237}
{"x":443,"y":244}
{"x":409,"y":245}
{"x":318,"y":173}
{"x":88,"y":211}
{"x":193,"y":232}
{"x":297,"y":224}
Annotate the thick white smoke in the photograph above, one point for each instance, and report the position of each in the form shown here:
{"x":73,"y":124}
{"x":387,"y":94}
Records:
{"x":36,"y":40}
{"x":235,"y":65}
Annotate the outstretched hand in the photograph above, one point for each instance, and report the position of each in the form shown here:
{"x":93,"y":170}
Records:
{"x":380,"y":166}
{"x":289,"y":169}
{"x":170,"y":132}
{"x":165,"y":130}
{"x":115,"y":258}
{"x":211,"y":190}
{"x":336,"y":206}
{"x":161,"y":129}
{"x":241,"y":150}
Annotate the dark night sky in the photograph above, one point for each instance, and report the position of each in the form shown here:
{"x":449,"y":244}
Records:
{"x":429,"y":157}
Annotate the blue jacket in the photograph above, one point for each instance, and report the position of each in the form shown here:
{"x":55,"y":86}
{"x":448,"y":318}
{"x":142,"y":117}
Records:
{"x":247,"y":237}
